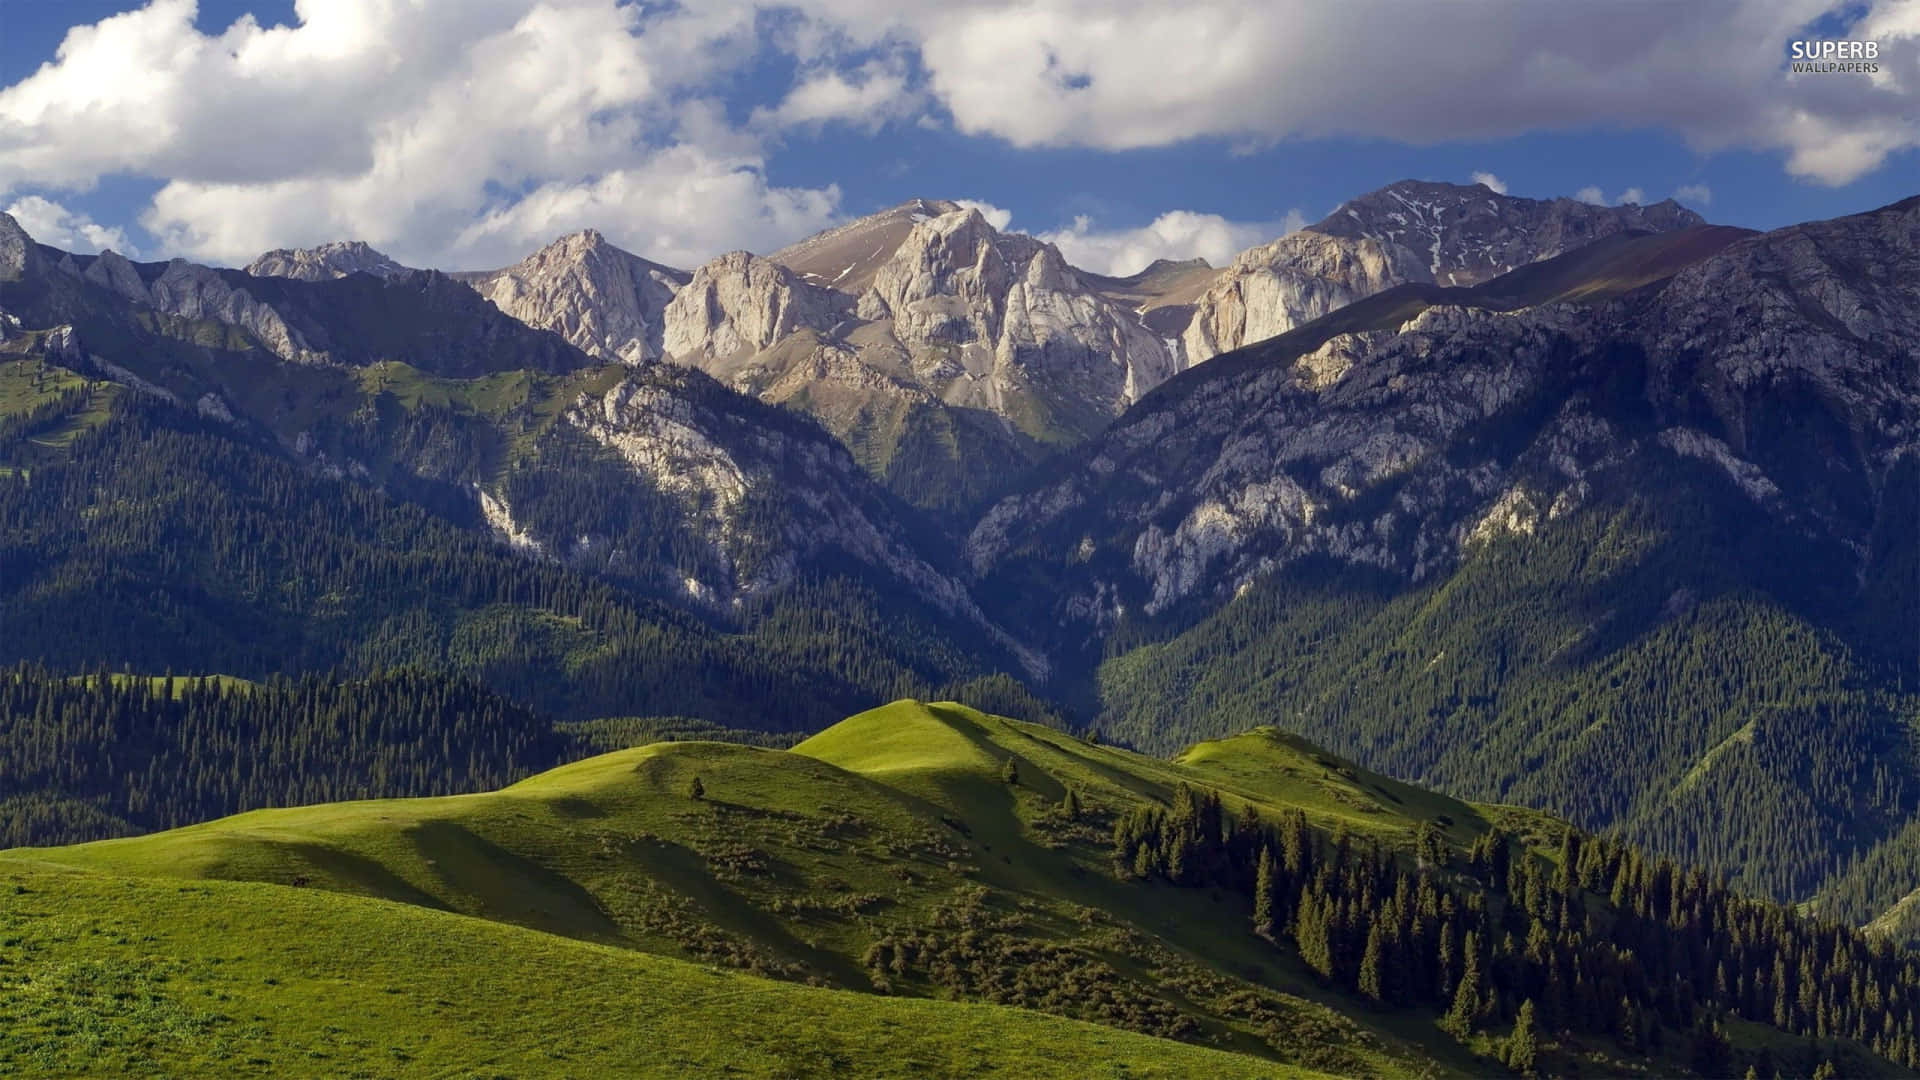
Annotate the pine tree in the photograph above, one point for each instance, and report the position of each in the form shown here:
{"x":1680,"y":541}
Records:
{"x":1373,"y":964}
{"x":1296,"y":845}
{"x":1466,"y":1005}
{"x":1312,"y":934}
{"x":1070,"y":806}
{"x":1523,"y":1046}
{"x":1179,"y":858}
{"x":1712,"y":1054}
{"x":696,"y":790}
{"x":1429,"y":846}
{"x":1263,"y":914}
{"x":1630,"y":1026}
{"x":1143,"y":865}
{"x":1467,"y":1000}
{"x":1009,"y":772}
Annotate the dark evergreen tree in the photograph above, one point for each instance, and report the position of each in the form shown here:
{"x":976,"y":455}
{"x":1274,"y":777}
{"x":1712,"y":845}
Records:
{"x":1523,"y":1045}
{"x":1263,"y":902}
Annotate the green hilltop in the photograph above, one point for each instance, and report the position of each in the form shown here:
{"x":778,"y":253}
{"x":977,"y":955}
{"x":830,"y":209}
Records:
{"x":111,"y":975}
{"x":912,"y":852}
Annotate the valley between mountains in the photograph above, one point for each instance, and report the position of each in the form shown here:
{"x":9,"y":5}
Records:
{"x":1469,"y":634}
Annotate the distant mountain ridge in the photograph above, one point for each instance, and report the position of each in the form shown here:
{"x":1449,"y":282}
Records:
{"x":948,"y":355}
{"x":1505,"y":533}
{"x":1412,"y":231}
{"x":334,"y":260}
{"x":1528,"y":540}
{"x":653,"y":476}
{"x":943,"y":351}
{"x":608,"y":303}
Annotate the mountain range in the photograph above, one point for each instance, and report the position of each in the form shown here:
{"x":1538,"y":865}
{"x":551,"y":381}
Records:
{"x":1606,"y":512}
{"x":947,"y":354}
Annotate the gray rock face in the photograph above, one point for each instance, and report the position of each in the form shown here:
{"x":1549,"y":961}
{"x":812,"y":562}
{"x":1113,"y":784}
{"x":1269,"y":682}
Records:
{"x":192,"y":291}
{"x":944,"y":352}
{"x":1785,"y":362}
{"x":1412,"y":231}
{"x":607,"y":302}
{"x":326,"y":262}
{"x":16,"y":248}
{"x":198,"y":292}
{"x":740,"y":304}
{"x":725,"y":469}
{"x":62,"y":343}
{"x":846,"y":257}
{"x":110,"y":270}
{"x":1014,"y":318}
{"x":922,"y":306}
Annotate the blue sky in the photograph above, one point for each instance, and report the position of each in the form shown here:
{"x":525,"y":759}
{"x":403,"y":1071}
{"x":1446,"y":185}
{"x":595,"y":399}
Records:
{"x":1123,"y":130}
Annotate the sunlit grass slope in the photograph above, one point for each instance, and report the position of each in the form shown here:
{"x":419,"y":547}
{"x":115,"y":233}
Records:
{"x":898,"y":820}
{"x":108,"y":976}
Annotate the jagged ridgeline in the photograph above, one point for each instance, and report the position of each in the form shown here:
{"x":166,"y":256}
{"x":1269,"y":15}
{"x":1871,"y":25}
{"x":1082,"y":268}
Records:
{"x":1288,"y":911}
{"x":276,"y":495}
{"x":1624,"y":534}
{"x":1602,"y":510}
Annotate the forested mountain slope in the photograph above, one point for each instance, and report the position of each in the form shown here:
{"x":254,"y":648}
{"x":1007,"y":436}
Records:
{"x":1644,"y":558}
{"x":595,"y":540}
{"x":1624,"y":533}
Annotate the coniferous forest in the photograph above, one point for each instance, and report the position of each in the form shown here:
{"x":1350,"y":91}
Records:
{"x":1600,"y":941}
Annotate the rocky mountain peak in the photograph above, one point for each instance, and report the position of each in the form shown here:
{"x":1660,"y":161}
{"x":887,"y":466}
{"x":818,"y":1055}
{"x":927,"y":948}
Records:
{"x":112,"y":270}
{"x":577,"y":245}
{"x":740,"y":303}
{"x":16,"y":249}
{"x":1412,"y":231}
{"x":922,"y":334}
{"x":1781,"y":362}
{"x":845,"y":257}
{"x":607,"y":302}
{"x":192,"y":291}
{"x":947,"y":281}
{"x":1463,"y":234}
{"x":1161,"y":266}
{"x":326,"y":262}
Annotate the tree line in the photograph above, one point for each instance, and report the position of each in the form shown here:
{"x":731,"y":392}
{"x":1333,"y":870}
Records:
{"x":1597,"y":940}
{"x":85,"y":757}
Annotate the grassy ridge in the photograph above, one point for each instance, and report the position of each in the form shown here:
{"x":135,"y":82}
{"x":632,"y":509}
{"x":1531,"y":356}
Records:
{"x":915,"y":851}
{"x":895,"y":821}
{"x":111,"y":976}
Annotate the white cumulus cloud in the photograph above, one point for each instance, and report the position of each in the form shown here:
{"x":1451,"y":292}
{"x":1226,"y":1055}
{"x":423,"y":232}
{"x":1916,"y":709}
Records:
{"x":1177,"y":234}
{"x":53,"y":224}
{"x":1633,"y":195}
{"x":995,"y":216}
{"x":1697,"y":194}
{"x":454,"y":132}
{"x":1494,"y":183}
{"x":1069,"y":72}
{"x":449,"y":132}
{"x":866,"y":98}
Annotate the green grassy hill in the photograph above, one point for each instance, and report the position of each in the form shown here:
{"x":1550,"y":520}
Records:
{"x":795,"y":863}
{"x":104,"y":975}
{"x":890,"y":854}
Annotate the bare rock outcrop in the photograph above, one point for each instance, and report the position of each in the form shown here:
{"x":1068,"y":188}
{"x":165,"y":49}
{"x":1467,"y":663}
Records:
{"x":607,"y":302}
{"x":1412,"y":231}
